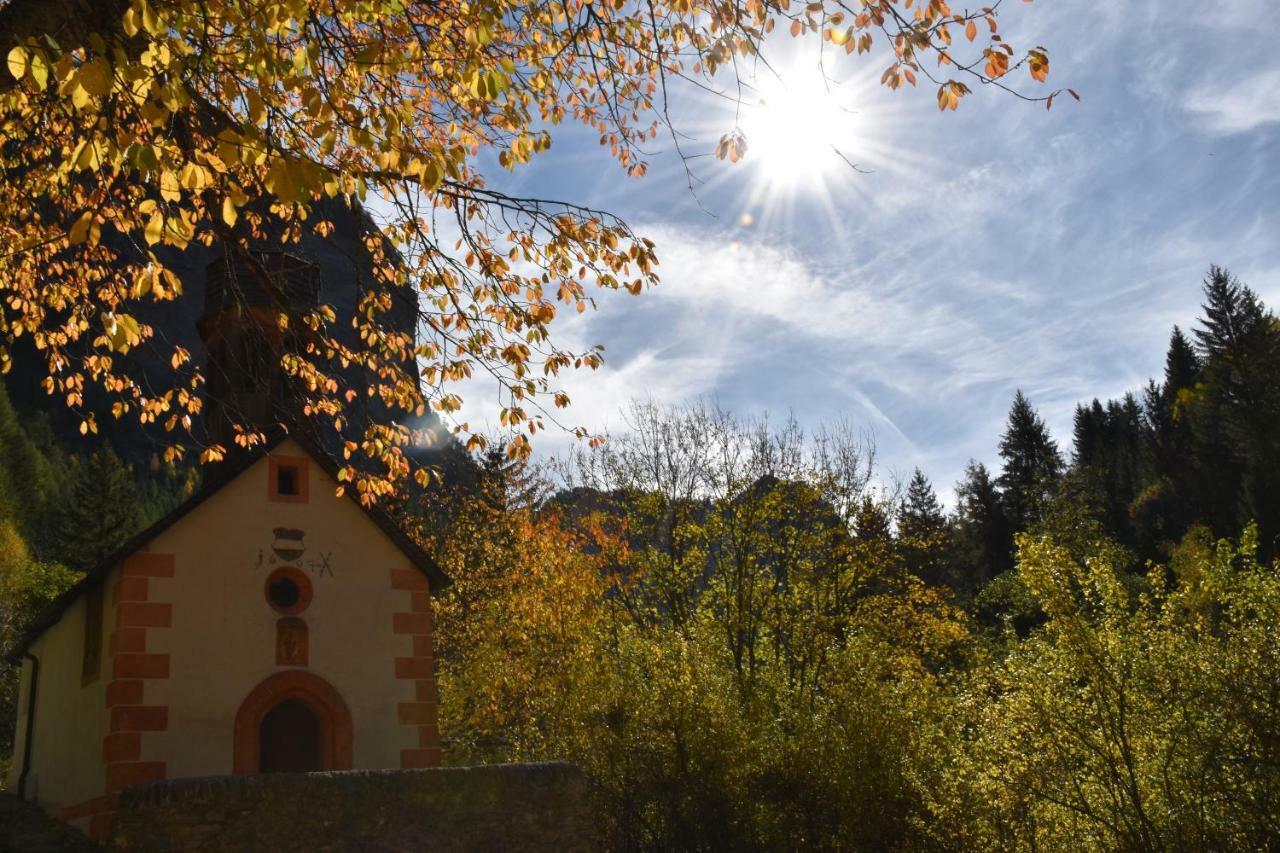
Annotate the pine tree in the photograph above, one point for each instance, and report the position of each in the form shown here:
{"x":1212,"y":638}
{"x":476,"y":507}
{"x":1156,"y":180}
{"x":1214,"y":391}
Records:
{"x":1181,"y":364}
{"x":1168,"y":504}
{"x":1088,"y":428}
{"x":922,"y":532}
{"x":871,"y":522}
{"x":1236,"y":412}
{"x":1032,"y":465}
{"x":98,"y":511}
{"x":981,"y":536}
{"x":509,"y":484}
{"x":921,"y":510}
{"x":1170,"y":428}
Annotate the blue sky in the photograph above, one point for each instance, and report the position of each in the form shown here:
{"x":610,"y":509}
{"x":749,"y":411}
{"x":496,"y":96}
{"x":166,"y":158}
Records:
{"x":998,"y":247}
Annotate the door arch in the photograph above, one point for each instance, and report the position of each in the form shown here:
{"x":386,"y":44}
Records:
{"x":312,"y":693}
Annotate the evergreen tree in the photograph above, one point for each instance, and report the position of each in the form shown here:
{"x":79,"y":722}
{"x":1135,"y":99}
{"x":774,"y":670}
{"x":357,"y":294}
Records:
{"x":1171,"y":433}
{"x":1236,"y":416}
{"x":921,"y":510}
{"x":98,"y":510}
{"x":1181,"y":364}
{"x":1088,"y":432}
{"x":163,"y":488}
{"x":1032,"y":465}
{"x":871,"y":523}
{"x":26,"y":475}
{"x":922,"y":532}
{"x":509,"y":484}
{"x":1168,"y":503}
{"x":981,"y":536}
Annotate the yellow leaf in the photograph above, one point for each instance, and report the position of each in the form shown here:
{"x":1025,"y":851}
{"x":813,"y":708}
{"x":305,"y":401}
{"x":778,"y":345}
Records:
{"x":193,"y":177}
{"x":123,"y":332}
{"x":155,"y":228}
{"x":89,"y":157}
{"x":80,"y":229}
{"x":150,"y":20}
{"x":18,"y":62}
{"x":95,"y":77}
{"x":85,"y":228}
{"x":40,"y":70}
{"x":229,"y":214}
{"x":170,"y":187}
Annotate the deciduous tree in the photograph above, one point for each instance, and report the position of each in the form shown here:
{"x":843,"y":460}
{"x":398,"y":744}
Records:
{"x":129,"y":127}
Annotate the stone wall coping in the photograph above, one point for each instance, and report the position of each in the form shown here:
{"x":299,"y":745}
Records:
{"x":176,"y":790}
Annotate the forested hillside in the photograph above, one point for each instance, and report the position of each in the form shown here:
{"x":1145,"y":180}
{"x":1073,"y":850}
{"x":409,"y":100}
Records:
{"x":751,"y":645}
{"x":1199,"y":446}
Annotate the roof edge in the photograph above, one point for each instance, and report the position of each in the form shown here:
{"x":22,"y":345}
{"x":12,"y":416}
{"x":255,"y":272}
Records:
{"x":226,"y":471}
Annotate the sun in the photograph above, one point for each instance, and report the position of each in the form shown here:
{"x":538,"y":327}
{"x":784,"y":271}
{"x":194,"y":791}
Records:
{"x":800,"y":128}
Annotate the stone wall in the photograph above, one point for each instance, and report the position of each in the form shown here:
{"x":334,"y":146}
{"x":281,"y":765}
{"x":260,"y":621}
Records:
{"x":507,"y":807}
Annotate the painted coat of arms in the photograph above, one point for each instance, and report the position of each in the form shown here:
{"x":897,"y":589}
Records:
{"x":288,"y":544}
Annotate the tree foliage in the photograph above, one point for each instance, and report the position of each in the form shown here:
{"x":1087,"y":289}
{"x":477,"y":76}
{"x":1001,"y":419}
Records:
{"x":699,"y":623}
{"x":130,"y":128}
{"x":99,"y":508}
{"x":1135,"y":722}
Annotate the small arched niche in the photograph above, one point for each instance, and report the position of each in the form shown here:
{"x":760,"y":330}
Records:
{"x":292,"y":644}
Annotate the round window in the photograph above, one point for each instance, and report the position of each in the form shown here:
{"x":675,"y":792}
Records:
{"x":284,"y":593}
{"x":288,"y":590}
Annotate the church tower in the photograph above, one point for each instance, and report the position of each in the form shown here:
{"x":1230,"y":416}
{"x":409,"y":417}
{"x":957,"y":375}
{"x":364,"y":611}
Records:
{"x":242,"y":334}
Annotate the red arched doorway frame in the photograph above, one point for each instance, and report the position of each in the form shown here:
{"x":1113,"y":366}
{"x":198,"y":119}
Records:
{"x":335,"y":719}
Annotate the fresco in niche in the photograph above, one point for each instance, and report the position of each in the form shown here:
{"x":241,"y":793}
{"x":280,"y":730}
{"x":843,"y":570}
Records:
{"x":289,"y":548}
{"x":291,"y":642}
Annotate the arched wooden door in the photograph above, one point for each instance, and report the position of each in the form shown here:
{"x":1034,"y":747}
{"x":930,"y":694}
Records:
{"x":292,"y":721}
{"x":289,"y":739}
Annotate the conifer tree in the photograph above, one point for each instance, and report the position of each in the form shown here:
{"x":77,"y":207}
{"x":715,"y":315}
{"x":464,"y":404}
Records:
{"x":25,"y":472}
{"x":922,"y":532}
{"x":1088,"y":428}
{"x":1032,"y":465}
{"x":1170,"y":427}
{"x":871,"y":523}
{"x":982,"y":537}
{"x":99,"y":510}
{"x":1168,"y":503}
{"x":1181,"y":364}
{"x":1236,"y":418}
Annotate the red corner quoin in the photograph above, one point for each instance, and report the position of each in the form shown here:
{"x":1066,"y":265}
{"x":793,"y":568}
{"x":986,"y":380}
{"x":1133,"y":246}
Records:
{"x":420,"y":713}
{"x":131,"y":667}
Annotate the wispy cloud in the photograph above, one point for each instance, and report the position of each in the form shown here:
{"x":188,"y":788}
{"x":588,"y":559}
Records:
{"x":1239,"y":106}
{"x":999,"y":247}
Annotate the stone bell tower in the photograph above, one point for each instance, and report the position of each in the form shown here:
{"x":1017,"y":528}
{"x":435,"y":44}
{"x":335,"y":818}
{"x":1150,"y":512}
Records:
{"x":241,"y":331}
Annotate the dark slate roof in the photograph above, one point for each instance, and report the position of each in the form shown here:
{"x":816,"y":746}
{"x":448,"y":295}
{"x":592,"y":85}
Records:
{"x":216,"y":477}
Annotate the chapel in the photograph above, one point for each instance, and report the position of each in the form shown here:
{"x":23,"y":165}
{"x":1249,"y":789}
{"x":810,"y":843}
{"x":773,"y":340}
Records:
{"x":264,"y":625}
